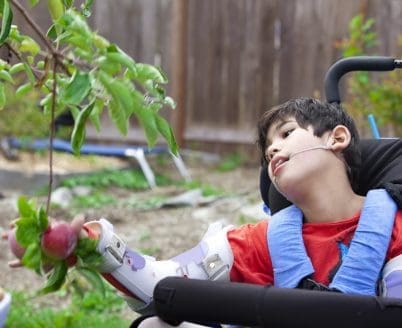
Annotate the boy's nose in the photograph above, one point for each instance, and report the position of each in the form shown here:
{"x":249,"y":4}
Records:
{"x":271,"y":151}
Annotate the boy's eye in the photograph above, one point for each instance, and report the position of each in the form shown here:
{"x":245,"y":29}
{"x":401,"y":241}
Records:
{"x":287,"y":132}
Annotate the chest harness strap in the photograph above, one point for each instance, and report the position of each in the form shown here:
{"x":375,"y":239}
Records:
{"x":360,"y":268}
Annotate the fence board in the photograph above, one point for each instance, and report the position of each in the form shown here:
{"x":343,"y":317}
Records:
{"x":243,"y":56}
{"x":309,"y":29}
{"x":388,"y":25}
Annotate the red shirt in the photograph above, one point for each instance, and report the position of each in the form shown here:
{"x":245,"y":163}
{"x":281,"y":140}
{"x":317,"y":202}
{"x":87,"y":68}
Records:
{"x":323,"y":242}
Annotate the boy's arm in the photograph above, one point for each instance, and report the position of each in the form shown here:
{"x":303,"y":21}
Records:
{"x":136,"y":275}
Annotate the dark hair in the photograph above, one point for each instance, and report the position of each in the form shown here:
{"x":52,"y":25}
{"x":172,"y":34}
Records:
{"x":323,"y":117}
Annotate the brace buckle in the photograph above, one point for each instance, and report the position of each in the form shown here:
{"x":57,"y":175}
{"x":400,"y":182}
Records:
{"x":116,"y":248}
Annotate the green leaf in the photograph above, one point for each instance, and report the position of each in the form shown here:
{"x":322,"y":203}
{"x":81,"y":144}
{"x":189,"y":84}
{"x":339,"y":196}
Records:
{"x":119,"y":91}
{"x":46,"y":102}
{"x":119,"y":58}
{"x":68,"y":3}
{"x":87,"y":253}
{"x":356,"y":22}
{"x":29,"y":45}
{"x":2,"y":96}
{"x":3,"y":63}
{"x":100,"y":42}
{"x":32,"y":257}
{"x":7,"y":19}
{"x":25,"y":208}
{"x":86,"y":8}
{"x":75,"y":23}
{"x":166,"y":131}
{"x":52,"y":32}
{"x":92,"y":260}
{"x":23,"y":89}
{"x":75,"y":112}
{"x":118,"y":116}
{"x":83,"y":46}
{"x":78,"y":134}
{"x":93,"y":278}
{"x":121,"y":105}
{"x":43,"y":221}
{"x":19,"y":67}
{"x":56,"y":9}
{"x":77,"y":89}
{"x":29,"y":73}
{"x":27,"y":231}
{"x":96,"y":113}
{"x":108,"y":66}
{"x":148,"y":72}
{"x":4,"y":75}
{"x":56,"y":278}
{"x":33,"y":3}
{"x":146,"y":117}
{"x":85,"y":247}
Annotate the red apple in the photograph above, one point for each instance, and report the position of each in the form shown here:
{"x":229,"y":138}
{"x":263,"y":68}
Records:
{"x":15,"y":247}
{"x":59,"y":240}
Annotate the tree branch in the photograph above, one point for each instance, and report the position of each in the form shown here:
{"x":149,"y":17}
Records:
{"x":35,"y":26}
{"x":16,"y":54}
{"x":51,"y":135}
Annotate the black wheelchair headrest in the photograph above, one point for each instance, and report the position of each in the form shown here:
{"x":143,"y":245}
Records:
{"x":381,"y":168}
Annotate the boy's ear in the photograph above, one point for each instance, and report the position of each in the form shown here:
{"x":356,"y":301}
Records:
{"x":340,"y":138}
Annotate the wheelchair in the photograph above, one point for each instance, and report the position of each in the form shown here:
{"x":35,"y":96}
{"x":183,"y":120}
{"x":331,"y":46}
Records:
{"x":209,"y":302}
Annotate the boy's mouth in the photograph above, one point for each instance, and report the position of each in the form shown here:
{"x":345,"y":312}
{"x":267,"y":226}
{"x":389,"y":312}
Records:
{"x":277,"y":163}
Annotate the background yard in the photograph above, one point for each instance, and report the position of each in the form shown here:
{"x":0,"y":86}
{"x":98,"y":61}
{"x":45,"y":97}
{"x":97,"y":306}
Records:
{"x":231,"y":184}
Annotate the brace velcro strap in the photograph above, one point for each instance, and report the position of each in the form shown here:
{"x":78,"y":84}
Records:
{"x":111,"y":247}
{"x":215,"y":268}
{"x":361,"y":267}
{"x":391,"y":284}
{"x":286,"y":247}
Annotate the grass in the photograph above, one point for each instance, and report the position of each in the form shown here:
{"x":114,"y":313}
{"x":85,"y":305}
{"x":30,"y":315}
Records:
{"x":96,"y":199}
{"x":207,"y":190}
{"x":89,"y":310}
{"x":231,"y":162}
{"x":128,"y":179}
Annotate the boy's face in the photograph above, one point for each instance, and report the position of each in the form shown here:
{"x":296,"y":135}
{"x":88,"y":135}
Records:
{"x":295,"y":156}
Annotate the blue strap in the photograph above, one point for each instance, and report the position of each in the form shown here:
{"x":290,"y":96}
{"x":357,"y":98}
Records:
{"x":286,"y":247}
{"x":361,"y":267}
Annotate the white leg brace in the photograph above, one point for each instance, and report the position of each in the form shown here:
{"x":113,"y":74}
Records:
{"x":211,"y":259}
{"x":392,"y":278}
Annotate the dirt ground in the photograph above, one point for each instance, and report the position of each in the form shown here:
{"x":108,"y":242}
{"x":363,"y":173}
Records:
{"x":162,"y":232}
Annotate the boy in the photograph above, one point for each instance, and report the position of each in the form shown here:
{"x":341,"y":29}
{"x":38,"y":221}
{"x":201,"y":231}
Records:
{"x":330,"y":239}
{"x":312,"y":151}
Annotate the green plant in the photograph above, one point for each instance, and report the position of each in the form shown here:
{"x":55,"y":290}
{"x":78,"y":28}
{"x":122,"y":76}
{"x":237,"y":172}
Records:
{"x":380,"y":95}
{"x":96,"y":199}
{"x":32,"y":227}
{"x":129,"y":179}
{"x":230,"y":162}
{"x":72,"y":68}
{"x":83,"y":310}
{"x":144,"y":204}
{"x":207,"y":190}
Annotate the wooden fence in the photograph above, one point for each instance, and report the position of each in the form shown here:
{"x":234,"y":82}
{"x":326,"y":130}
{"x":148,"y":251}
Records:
{"x":230,"y":60}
